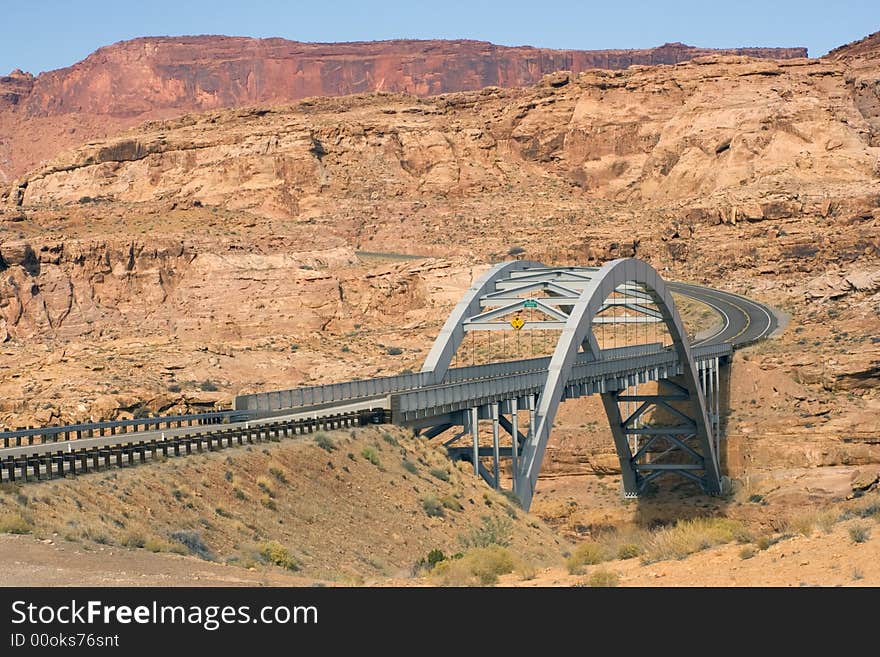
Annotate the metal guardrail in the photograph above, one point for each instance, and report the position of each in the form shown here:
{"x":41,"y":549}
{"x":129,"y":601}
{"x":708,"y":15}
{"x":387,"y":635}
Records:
{"x":252,"y":406}
{"x":39,"y":435}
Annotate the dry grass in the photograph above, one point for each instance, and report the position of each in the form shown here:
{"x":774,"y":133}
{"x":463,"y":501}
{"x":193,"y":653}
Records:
{"x":689,"y":536}
{"x":477,"y":567}
{"x":587,"y":553}
{"x":859,"y":533}
{"x":14,"y":523}
{"x":602,"y":578}
{"x":805,"y":522}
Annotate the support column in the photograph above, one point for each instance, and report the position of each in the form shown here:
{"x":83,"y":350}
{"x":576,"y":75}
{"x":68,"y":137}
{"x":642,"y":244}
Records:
{"x":496,"y":451}
{"x":475,"y":434}
{"x":532,"y":427}
{"x":514,"y":452}
{"x":621,"y":444}
{"x":717,"y":404}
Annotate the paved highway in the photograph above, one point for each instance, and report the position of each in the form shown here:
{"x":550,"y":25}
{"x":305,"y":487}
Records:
{"x":743,"y":321}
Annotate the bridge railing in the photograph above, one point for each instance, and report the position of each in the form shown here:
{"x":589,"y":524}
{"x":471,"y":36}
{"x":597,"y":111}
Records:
{"x":365,"y":388}
{"x":588,"y":376}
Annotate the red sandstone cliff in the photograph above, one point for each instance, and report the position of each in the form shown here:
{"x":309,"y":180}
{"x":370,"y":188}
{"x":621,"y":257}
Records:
{"x":157,"y":77}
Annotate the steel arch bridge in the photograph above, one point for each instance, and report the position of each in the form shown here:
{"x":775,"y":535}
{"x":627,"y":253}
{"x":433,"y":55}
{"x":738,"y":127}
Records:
{"x":672,"y":426}
{"x":571,"y":300}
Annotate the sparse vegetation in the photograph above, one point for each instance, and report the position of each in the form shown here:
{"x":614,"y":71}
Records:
{"x":432,"y":507}
{"x":393,"y":351}
{"x":324,"y":441}
{"x":430,"y":560}
{"x":265,"y":485}
{"x":689,"y":536}
{"x":371,"y":455}
{"x":278,"y":555}
{"x":451,"y":503}
{"x":410,"y":467}
{"x":192,"y":541}
{"x":587,"y":553}
{"x":765,"y":542}
{"x":492,"y":531}
{"x":278,"y":473}
{"x":603,"y":579}
{"x":14,"y":523}
{"x":628,"y":550}
{"x":859,"y":533}
{"x":440,"y":473}
{"x":747,"y":552}
{"x":477,"y":567}
{"x":208,"y":386}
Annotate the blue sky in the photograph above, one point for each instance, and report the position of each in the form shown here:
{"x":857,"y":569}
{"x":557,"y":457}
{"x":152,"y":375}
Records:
{"x":39,"y":35}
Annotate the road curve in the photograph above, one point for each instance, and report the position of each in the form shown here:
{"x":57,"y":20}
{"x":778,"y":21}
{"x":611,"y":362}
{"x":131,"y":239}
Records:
{"x":744,"y":321}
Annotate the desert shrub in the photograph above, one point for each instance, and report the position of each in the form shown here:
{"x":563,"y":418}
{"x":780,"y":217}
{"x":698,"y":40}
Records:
{"x":278,"y":555}
{"x":440,"y":473}
{"x":208,"y":386}
{"x":430,"y":560}
{"x":477,"y":567}
{"x":859,"y":533}
{"x":269,"y":503}
{"x":492,"y":531}
{"x":410,"y":467}
{"x":801,"y":523}
{"x":451,"y":503}
{"x":689,"y":536}
{"x":324,"y":441}
{"x":628,"y":550}
{"x":515,"y":250}
{"x":266,"y":486}
{"x":223,"y":513}
{"x":603,"y":579}
{"x":156,"y":545}
{"x":432,"y":506}
{"x":371,"y":455}
{"x":192,"y":541}
{"x":238,"y":494}
{"x":870,"y":509}
{"x":587,"y":553}
{"x":13,"y":523}
{"x":278,"y":473}
{"x":747,"y":552}
{"x":765,"y":542}
{"x":826,"y":520}
{"x":393,"y":351}
{"x":134,"y":540}
{"x":391,"y":440}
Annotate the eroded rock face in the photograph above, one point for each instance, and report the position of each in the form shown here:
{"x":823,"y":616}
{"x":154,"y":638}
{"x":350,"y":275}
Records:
{"x":155,"y":77}
{"x":735,"y":133}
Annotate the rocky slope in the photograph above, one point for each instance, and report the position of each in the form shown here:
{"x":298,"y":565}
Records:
{"x":124,"y":84}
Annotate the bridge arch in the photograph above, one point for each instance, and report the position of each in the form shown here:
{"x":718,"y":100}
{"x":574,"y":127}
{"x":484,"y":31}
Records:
{"x":693,"y":438}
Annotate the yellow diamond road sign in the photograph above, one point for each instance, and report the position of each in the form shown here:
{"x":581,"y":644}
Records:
{"x":517,"y":323}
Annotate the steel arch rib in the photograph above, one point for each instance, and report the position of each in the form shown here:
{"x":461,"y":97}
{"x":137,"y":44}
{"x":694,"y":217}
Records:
{"x":452,"y":333}
{"x":577,"y":332}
